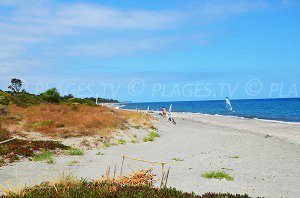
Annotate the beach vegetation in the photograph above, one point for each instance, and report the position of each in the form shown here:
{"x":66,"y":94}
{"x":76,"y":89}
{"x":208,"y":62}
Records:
{"x":150,"y":138}
{"x":177,"y":159}
{"x":75,"y":151}
{"x":73,"y":187}
{"x":51,"y":95}
{"x":107,"y":144}
{"x":134,"y":141}
{"x":61,"y":121}
{"x":99,"y":153}
{"x":74,"y":162}
{"x":121,"y":141}
{"x":234,"y":156}
{"x":80,"y":101}
{"x":153,"y":134}
{"x":217,"y":175}
{"x":45,"y":155}
{"x":16,"y":149}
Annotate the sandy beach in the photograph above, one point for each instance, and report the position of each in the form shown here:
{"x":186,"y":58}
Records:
{"x":267,"y":162}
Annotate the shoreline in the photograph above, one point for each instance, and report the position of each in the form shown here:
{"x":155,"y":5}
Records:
{"x":219,"y":115}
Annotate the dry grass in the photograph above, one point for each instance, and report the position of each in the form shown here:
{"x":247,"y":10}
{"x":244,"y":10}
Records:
{"x":66,"y":121}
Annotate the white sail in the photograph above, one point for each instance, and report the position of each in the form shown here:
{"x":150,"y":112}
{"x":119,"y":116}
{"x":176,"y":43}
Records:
{"x":148,"y":108}
{"x":228,"y":104}
{"x":170,"y":108}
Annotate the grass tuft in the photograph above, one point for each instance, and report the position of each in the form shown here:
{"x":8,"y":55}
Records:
{"x":121,"y":141}
{"x":217,"y":175}
{"x":177,"y":159}
{"x":107,"y":144}
{"x":235,"y":157}
{"x":151,"y":137}
{"x":75,"y":151}
{"x":45,"y":155}
{"x":99,"y":153}
{"x":134,"y":141}
{"x":74,"y":162}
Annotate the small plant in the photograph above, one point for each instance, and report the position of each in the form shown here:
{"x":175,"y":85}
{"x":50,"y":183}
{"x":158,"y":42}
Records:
{"x":151,"y":137}
{"x":99,"y":153}
{"x":75,"y":151}
{"x":45,"y":155}
{"x":134,"y":136}
{"x":235,"y":156}
{"x":107,"y":144}
{"x":74,"y":162}
{"x":137,"y":126}
{"x":121,"y":141}
{"x":154,"y":134}
{"x":147,"y":139}
{"x":217,"y":175}
{"x":45,"y":123}
{"x":50,"y":161}
{"x":177,"y":159}
{"x":134,"y":141}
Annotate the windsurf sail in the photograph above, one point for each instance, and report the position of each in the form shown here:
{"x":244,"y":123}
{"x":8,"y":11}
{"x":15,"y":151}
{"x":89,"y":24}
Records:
{"x":228,"y":104}
{"x":170,"y":108}
{"x":148,"y":109}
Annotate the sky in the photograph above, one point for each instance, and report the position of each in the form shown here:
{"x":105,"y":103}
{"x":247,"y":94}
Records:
{"x":141,"y":50}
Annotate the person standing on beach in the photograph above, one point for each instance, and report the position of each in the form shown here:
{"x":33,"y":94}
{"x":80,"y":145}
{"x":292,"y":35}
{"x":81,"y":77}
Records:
{"x":164,"y":112}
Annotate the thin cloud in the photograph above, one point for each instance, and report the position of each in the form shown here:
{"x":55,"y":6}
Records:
{"x":47,"y":34}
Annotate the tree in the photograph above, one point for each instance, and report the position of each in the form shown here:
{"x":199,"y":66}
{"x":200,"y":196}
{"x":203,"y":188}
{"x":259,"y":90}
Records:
{"x":16,"y":85}
{"x":51,"y":95}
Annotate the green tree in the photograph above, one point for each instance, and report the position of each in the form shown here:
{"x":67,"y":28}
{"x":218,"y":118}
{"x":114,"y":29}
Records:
{"x":51,"y":95}
{"x":16,"y":85}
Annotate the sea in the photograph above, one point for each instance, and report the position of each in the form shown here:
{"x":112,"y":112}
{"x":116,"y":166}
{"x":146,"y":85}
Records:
{"x":283,"y":109}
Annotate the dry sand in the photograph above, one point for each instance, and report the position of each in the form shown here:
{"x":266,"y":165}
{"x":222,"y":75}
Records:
{"x":268,"y":163}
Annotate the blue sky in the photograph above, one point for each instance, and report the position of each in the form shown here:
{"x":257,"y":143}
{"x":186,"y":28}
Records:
{"x":153,"y":50}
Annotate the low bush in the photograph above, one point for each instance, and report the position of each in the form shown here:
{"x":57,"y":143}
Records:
{"x":87,"y":189}
{"x":17,"y":149}
{"x":75,"y":151}
{"x":45,"y":155}
{"x":22,"y":99}
{"x":151,"y":137}
{"x":80,"y":101}
{"x":51,"y":95}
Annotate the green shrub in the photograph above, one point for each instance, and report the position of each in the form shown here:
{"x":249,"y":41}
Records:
{"x":51,"y":95}
{"x":80,"y":101}
{"x":217,"y":175}
{"x":121,"y":141}
{"x":22,"y":99}
{"x":151,"y":137}
{"x":153,"y":134}
{"x":45,"y":155}
{"x":75,"y":151}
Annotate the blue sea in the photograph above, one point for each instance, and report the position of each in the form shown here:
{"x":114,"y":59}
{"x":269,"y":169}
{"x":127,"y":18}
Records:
{"x":287,"y":110}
